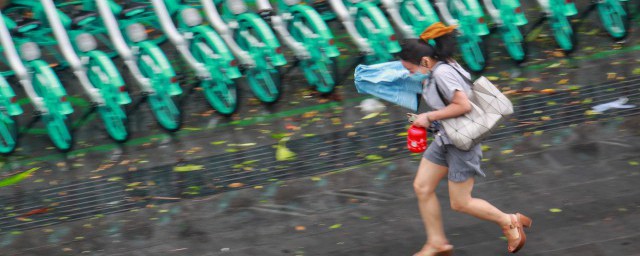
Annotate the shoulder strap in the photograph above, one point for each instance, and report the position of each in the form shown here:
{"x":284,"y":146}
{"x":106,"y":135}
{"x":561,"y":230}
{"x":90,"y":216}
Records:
{"x":463,"y":76}
{"x":439,"y":90}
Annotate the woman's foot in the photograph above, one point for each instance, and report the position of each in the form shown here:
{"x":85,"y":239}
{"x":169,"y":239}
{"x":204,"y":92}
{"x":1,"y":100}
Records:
{"x":432,"y":250}
{"x":514,"y":232}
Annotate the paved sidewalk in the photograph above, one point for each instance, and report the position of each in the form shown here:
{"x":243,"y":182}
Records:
{"x":580,"y":186}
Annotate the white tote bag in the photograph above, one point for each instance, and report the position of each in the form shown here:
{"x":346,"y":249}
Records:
{"x":488,"y":107}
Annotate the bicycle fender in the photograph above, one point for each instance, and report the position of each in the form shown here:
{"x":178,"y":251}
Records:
{"x":163,"y":63}
{"x":114,"y":75}
{"x":55,"y":87}
{"x":266,"y":35}
{"x":426,"y":11}
{"x":6,"y":94}
{"x":218,"y":45}
{"x":475,"y":8}
{"x":318,"y":24}
{"x":377,"y":17}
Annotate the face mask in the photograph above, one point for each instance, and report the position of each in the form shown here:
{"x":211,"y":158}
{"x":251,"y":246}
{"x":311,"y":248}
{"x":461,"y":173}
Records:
{"x":418,"y":77}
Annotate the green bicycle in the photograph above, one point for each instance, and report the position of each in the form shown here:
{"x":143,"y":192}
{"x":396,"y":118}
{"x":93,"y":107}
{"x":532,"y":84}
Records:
{"x":369,"y":29}
{"x":203,"y":50}
{"x":9,"y":108}
{"x":509,"y":17}
{"x":253,"y":42}
{"x":557,"y":12}
{"x":469,"y":15}
{"x":39,"y":81}
{"x":304,"y":31}
{"x":95,"y":71}
{"x":614,"y":15}
{"x":143,"y":57}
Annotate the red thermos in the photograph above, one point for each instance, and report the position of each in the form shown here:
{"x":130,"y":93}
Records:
{"x":416,"y":139}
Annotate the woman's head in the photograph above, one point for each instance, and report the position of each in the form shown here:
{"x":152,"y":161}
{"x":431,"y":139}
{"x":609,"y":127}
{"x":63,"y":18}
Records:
{"x":417,"y":53}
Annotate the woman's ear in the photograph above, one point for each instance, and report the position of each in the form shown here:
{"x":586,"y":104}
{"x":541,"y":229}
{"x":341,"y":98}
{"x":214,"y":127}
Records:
{"x":424,"y":62}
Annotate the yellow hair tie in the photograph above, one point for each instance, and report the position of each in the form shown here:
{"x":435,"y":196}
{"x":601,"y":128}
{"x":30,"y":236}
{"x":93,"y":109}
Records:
{"x":436,"y":30}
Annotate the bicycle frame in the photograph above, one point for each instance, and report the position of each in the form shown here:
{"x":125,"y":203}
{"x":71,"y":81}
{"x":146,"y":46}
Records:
{"x":40,"y":83}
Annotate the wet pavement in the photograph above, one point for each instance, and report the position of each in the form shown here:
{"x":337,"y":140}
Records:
{"x":217,"y":187}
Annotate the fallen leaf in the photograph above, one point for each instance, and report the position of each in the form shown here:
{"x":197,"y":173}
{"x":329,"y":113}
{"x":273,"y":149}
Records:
{"x":548,"y":91}
{"x":335,"y":226}
{"x":372,"y":115}
{"x":301,"y":228}
{"x":633,"y":163}
{"x":282,"y":152}
{"x":507,"y":151}
{"x":14,"y":179}
{"x":563,"y":81}
{"x":555,"y":210}
{"x":36,"y":211}
{"x":188,"y":168}
{"x":235,"y":185}
{"x":373,"y":157}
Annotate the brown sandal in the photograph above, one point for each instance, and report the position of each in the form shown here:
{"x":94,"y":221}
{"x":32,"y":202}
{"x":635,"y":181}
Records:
{"x":518,"y":222}
{"x":430,"y":250}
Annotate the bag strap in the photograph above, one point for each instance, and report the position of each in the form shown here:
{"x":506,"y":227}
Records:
{"x":463,"y":76}
{"x":439,"y":90}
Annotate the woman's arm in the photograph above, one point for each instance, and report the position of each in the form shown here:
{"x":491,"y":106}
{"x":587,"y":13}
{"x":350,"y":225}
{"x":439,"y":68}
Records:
{"x":459,"y":106}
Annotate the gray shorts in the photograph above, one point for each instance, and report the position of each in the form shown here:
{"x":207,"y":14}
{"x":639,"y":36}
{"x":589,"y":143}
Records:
{"x":462,"y":164}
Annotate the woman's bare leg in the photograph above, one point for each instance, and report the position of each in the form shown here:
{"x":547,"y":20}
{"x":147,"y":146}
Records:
{"x":461,"y":201}
{"x":427,"y":179}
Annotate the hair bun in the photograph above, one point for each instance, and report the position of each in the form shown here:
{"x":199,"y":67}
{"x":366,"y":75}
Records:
{"x":436,"y":30}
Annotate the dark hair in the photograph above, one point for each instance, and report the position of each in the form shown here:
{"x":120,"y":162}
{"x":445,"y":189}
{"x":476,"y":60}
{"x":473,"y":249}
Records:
{"x":414,"y":49}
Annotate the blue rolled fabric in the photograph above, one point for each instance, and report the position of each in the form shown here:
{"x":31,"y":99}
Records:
{"x":389,"y":81}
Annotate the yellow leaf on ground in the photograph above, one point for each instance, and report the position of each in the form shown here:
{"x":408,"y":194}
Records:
{"x":188,"y":168}
{"x":372,"y":115}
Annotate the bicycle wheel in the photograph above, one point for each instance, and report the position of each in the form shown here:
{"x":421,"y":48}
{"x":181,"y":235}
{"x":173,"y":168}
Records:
{"x":58,"y":130}
{"x":8,"y":134}
{"x":113,"y":116}
{"x":473,"y":54}
{"x":563,"y":33}
{"x":319,"y":76}
{"x":221,"y":93}
{"x":615,"y":19}
{"x":265,"y":84}
{"x":514,"y":42}
{"x":164,"y":109}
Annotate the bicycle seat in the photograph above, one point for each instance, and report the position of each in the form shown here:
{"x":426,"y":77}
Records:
{"x":321,"y":6}
{"x":131,"y":9}
{"x":266,"y":15}
{"x":81,"y":17}
{"x":26,"y":24}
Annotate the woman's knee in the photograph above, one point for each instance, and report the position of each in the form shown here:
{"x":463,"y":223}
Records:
{"x":459,"y":204}
{"x":422,"y":189}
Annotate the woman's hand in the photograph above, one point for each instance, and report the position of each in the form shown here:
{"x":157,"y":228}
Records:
{"x":422,"y":120}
